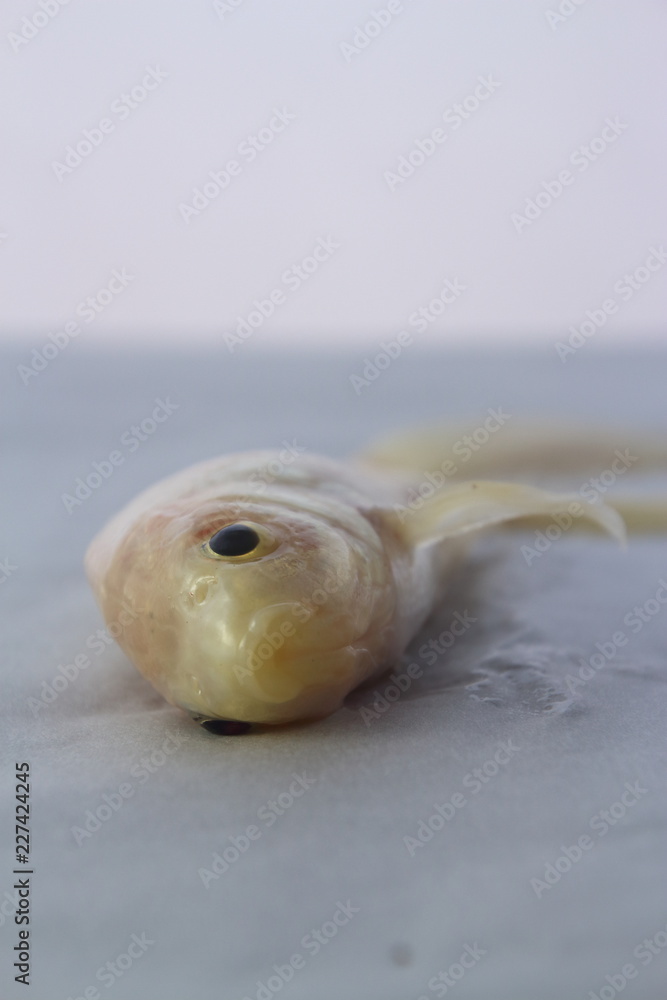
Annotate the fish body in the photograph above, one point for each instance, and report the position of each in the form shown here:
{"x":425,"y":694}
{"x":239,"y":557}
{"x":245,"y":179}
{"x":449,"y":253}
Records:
{"x":269,"y":600}
{"x":281,"y":634}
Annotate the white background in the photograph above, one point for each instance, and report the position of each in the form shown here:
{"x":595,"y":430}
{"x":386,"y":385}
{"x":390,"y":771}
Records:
{"x":324,"y":175}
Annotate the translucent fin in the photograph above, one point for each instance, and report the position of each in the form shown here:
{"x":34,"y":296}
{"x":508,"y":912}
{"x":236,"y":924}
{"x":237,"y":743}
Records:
{"x":498,"y":445}
{"x":642,"y":516}
{"x":471,"y":506}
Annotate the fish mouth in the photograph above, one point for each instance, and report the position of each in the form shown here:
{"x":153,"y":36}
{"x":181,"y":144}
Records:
{"x":291,"y":686}
{"x":314,"y":686}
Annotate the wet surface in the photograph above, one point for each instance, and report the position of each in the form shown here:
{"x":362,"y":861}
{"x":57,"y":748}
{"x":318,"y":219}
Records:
{"x":433,"y":807}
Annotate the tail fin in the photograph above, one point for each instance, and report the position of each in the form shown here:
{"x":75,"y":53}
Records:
{"x":522,"y":453}
{"x":498,"y":447}
{"x":641,"y":516}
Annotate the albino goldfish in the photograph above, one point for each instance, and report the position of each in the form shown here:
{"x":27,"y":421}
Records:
{"x":262,"y":600}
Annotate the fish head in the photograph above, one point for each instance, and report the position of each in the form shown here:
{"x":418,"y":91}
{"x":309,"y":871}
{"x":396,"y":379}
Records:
{"x":250,"y":610}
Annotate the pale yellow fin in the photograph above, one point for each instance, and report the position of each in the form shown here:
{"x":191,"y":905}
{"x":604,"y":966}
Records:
{"x":471,"y":506}
{"x":498,"y":444}
{"x":642,"y":516}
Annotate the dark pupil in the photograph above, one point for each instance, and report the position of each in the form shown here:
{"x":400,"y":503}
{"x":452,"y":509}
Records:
{"x":234,"y":540}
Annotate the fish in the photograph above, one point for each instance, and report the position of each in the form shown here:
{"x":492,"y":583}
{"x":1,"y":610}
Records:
{"x":261,"y":588}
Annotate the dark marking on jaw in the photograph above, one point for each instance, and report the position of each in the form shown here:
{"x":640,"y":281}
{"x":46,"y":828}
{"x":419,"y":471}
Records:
{"x":226,"y":727}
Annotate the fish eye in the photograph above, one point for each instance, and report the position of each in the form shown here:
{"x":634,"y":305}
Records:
{"x":234,"y":540}
{"x":239,"y":539}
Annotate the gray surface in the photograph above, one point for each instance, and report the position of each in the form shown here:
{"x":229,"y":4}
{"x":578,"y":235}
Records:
{"x":343,"y":839}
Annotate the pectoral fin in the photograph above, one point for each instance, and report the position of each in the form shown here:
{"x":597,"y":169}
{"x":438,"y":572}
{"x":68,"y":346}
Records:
{"x":471,"y":506}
